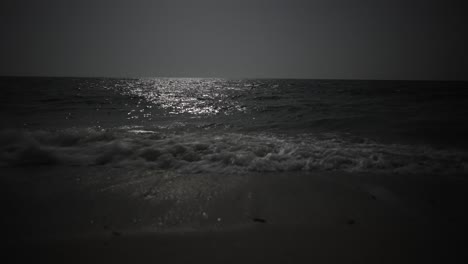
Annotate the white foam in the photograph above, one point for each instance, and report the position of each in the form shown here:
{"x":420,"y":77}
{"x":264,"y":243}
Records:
{"x":225,"y":152}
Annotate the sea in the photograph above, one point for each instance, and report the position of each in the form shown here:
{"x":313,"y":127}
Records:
{"x":220,"y":125}
{"x":86,"y":153}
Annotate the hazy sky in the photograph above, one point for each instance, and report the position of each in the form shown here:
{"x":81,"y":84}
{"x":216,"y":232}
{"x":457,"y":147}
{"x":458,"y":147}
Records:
{"x":219,"y":38}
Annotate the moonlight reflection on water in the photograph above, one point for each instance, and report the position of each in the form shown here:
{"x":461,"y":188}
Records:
{"x":187,"y":95}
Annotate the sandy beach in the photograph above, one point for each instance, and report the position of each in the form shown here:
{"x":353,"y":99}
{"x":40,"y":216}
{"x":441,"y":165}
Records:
{"x":256,"y":218}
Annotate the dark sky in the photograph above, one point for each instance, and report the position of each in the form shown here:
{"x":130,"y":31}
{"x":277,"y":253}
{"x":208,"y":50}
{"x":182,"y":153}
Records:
{"x":342,"y":39}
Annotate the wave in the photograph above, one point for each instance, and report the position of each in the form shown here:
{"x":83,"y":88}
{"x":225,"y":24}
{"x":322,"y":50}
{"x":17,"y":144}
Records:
{"x":219,"y":152}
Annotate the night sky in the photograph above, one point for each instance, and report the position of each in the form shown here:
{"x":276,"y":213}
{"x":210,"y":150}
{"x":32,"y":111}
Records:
{"x":336,"y":39}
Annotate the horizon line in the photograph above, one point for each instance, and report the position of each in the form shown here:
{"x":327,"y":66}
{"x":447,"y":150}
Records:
{"x":229,"y":78}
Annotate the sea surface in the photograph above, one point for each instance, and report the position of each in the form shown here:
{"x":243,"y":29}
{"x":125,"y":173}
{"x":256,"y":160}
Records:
{"x":190,"y":125}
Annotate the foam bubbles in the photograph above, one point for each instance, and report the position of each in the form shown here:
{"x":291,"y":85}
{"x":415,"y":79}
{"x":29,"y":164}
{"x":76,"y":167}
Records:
{"x":222,"y":152}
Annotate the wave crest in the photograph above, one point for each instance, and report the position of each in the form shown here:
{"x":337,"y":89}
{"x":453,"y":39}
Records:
{"x":230,"y":153}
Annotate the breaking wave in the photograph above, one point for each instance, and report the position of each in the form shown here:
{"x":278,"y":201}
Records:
{"x":219,"y":152}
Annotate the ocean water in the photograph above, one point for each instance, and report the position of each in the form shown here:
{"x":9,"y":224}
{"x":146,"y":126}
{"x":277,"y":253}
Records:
{"x":195,"y":126}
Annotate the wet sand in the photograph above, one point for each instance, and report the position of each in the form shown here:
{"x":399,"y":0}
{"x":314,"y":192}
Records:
{"x":318,"y":217}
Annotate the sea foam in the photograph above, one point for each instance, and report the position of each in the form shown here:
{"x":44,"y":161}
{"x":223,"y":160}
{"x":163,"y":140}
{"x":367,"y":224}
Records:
{"x":219,"y":152}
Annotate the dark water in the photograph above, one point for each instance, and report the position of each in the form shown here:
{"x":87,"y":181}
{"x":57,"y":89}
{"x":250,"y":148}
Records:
{"x":216,"y":125}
